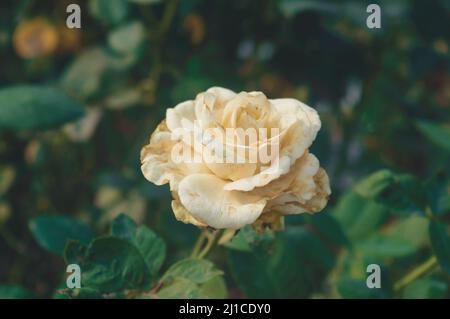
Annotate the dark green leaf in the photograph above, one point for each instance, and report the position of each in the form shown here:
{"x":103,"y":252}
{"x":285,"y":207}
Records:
{"x":15,"y":292}
{"x":112,"y":264}
{"x":440,"y":241}
{"x":439,"y":135}
{"x":402,"y":193}
{"x":27,"y":107}
{"x":150,"y":245}
{"x":52,"y":232}
{"x":123,"y":227}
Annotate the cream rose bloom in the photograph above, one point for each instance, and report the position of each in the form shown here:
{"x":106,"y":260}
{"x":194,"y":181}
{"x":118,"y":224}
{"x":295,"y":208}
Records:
{"x":232,"y":195}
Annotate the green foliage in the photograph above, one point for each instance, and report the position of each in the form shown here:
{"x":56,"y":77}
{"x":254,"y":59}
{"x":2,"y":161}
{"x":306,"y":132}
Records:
{"x":440,"y":240}
{"x":151,"y":247}
{"x":401,"y":192}
{"x":52,"y":232}
{"x":15,"y":292}
{"x":192,"y":278}
{"x":382,"y":97}
{"x":110,"y":12}
{"x":425,"y":289}
{"x":277,"y":265}
{"x":437,"y":134}
{"x":27,"y":107}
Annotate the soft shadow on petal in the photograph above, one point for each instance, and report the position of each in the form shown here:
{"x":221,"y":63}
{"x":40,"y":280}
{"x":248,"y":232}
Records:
{"x":204,"y":197}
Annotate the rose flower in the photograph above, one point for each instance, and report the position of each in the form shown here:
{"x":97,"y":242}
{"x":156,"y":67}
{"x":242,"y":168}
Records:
{"x":227,"y":180}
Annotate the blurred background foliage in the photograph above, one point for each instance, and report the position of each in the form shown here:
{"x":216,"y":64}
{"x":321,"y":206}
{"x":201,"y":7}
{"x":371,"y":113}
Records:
{"x":76,"y":106}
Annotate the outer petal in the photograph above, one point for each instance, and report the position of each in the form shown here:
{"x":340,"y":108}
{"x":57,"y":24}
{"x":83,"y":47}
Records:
{"x":206,"y":200}
{"x":181,"y":112}
{"x":157,"y":165}
{"x":309,"y":191}
{"x":184,"y":216}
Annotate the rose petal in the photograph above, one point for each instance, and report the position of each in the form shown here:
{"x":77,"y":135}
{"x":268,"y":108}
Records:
{"x":206,"y":200}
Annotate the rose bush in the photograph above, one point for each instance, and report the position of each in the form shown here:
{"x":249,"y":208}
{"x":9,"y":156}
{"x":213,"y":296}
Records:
{"x":232,"y":195}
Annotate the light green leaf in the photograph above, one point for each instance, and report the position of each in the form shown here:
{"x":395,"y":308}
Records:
{"x":110,"y":12}
{"x":373,"y":185}
{"x":379,"y":246}
{"x":127,"y":39}
{"x":94,"y":73}
{"x":214,"y":288}
{"x":28,"y":107}
{"x":180,"y":288}
{"x":52,"y":232}
{"x":196,"y":270}
{"x":359,"y":217}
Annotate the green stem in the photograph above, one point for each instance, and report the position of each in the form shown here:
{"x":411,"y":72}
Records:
{"x":212,"y":240}
{"x":415,"y":273}
{"x":198,"y":244}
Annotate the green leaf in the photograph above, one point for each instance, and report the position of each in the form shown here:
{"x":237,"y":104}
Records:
{"x":52,"y":232}
{"x":127,"y":39}
{"x":151,"y":246}
{"x":357,"y":289}
{"x":197,"y":270}
{"x":272,"y":269}
{"x":401,"y":192}
{"x":438,"y":195}
{"x":180,"y":288}
{"x":413,"y":229}
{"x":214,"y":288}
{"x":283,"y":265}
{"x":291,"y":7}
{"x":94,"y":73}
{"x":15,"y":292}
{"x":440,"y":241}
{"x":192,"y":278}
{"x":112,"y":264}
{"x":27,"y":107}
{"x":123,"y":227}
{"x":439,"y":135}
{"x":359,"y":217}
{"x":379,"y":246}
{"x":110,"y":12}
{"x":74,"y":252}
{"x":425,"y":288}
{"x":145,"y":1}
{"x":374,"y":185}
{"x":328,"y":228}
